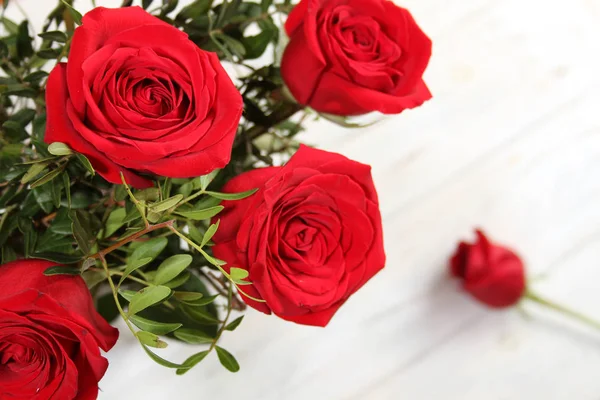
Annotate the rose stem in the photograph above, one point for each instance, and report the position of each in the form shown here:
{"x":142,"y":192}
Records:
{"x":563,"y":310}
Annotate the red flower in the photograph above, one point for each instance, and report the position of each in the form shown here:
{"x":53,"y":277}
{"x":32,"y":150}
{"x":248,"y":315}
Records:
{"x":351,"y":57}
{"x":49,"y":335}
{"x":493,"y":274}
{"x":309,"y":238}
{"x":138,"y":96}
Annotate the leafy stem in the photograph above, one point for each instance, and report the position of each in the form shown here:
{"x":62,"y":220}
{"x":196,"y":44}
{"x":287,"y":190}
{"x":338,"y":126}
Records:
{"x":562,"y":309}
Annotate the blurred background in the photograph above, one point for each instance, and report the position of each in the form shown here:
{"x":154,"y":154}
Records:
{"x":510,"y":143}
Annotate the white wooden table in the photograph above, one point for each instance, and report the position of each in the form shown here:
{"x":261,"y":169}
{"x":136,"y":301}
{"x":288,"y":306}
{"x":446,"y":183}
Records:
{"x":511,"y":143}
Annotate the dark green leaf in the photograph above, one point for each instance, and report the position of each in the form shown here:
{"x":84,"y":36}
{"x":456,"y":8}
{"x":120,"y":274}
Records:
{"x":54,"y":36}
{"x":59,"y":258}
{"x":178,"y":281}
{"x":114,"y":221}
{"x":60,"y":270}
{"x":149,"y":194}
{"x":49,"y":176}
{"x":86,"y":163}
{"x":193,"y":336}
{"x":67,"y":186}
{"x":24,"y":47}
{"x":162,"y":361}
{"x":192,"y":361}
{"x":134,"y":266}
{"x":232,"y":196}
{"x":148,"y":297}
{"x":158,"y":328}
{"x":200,"y":302}
{"x":210,"y":233}
{"x":83,"y":230}
{"x":76,"y":15}
{"x":234,"y":324}
{"x":227,"y":360}
{"x":187,"y":296}
{"x":199,"y":215}
{"x":171,"y":268}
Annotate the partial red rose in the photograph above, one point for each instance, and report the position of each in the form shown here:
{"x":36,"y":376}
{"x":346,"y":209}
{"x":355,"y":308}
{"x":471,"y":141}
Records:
{"x":309,"y":238}
{"x":349,"y":57}
{"x":50,"y":335}
{"x":491,"y":273}
{"x":137,"y":96}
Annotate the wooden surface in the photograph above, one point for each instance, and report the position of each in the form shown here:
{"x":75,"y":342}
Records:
{"x":510,"y":143}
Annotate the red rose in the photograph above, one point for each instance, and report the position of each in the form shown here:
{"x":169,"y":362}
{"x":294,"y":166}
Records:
{"x":49,"y":335}
{"x":138,"y":96}
{"x":309,"y":238}
{"x":492,"y":274}
{"x":350,"y":57}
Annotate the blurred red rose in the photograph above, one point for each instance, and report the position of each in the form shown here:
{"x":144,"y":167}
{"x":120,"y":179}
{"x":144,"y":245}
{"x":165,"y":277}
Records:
{"x":49,"y":335}
{"x":137,"y":96}
{"x":349,"y":57}
{"x":493,"y":274}
{"x":309,"y":238}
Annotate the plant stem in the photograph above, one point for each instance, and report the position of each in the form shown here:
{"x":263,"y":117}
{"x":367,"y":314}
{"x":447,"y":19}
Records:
{"x":116,"y":295}
{"x":563,"y":310}
{"x":148,"y":229}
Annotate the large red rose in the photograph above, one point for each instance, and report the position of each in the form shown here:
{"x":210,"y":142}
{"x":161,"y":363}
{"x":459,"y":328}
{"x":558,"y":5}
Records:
{"x":137,"y":96}
{"x":49,"y":335}
{"x":351,"y":57}
{"x":309,"y":238}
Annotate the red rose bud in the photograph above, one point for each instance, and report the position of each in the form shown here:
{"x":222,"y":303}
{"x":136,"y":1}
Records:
{"x":350,"y":57}
{"x":50,"y":335}
{"x":309,"y":238}
{"x":138,"y":96}
{"x":491,"y":273}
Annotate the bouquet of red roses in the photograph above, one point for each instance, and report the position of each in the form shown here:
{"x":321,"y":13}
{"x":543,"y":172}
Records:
{"x":139,"y":179}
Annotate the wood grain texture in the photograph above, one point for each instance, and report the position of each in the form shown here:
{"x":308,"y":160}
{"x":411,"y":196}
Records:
{"x":511,"y":143}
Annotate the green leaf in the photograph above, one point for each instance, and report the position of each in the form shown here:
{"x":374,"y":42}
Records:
{"x":195,"y":10}
{"x":158,"y":328}
{"x":199,"y":215}
{"x":67,"y":186}
{"x":152,"y":248}
{"x":166,"y":204}
{"x":199,"y":315}
{"x":178,"y":281}
{"x":82,"y":230}
{"x":134,"y":266}
{"x":10,"y":26}
{"x":187,"y":296}
{"x":93,"y":278}
{"x":60,"y":270}
{"x":192,"y":361}
{"x":210,"y":232}
{"x":234,"y":324}
{"x":162,"y":361}
{"x":114,"y":221}
{"x":200,"y":302}
{"x":193,"y":336}
{"x":238,"y":274}
{"x":59,"y":149}
{"x":86,"y":163}
{"x":34,"y":171}
{"x":232,"y":196}
{"x":171,"y":267}
{"x":54,"y":36}
{"x":149,"y":194}
{"x":49,"y":176}
{"x":24,"y":47}
{"x":59,"y":257}
{"x":227,"y":360}
{"x":205,"y":180}
{"x":147,"y":297}
{"x":74,"y":13}
{"x":150,"y":339}
{"x":127,"y":294}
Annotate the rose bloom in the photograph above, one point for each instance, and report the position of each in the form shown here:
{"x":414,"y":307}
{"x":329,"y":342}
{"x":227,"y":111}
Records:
{"x":49,"y":335}
{"x":349,"y":57}
{"x":309,"y":238}
{"x":137,"y":96}
{"x":491,"y":273}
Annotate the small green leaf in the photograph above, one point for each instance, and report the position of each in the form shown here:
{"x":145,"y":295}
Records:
{"x":192,"y":361}
{"x":147,"y":297}
{"x":171,"y":267}
{"x":234,"y":324}
{"x":150,"y":339}
{"x":93,"y":278}
{"x":152,"y":248}
{"x":166,"y":204}
{"x":34,"y":171}
{"x":82,"y":230}
{"x":178,"y":281}
{"x":54,"y":36}
{"x":127,"y":294}
{"x":59,"y":149}
{"x":74,"y":13}
{"x":227,"y":360}
{"x":86,"y":163}
{"x":210,"y":232}
{"x":149,"y":194}
{"x":163,"y":362}
{"x":199,"y":215}
{"x":232,"y":196}
{"x":238,"y":274}
{"x":49,"y":176}
{"x":200,"y":302}
{"x":134,"y":266}
{"x":205,"y":180}
{"x":114,"y":221}
{"x":58,"y":257}
{"x":187,"y":296}
{"x":193,"y":336}
{"x":60,"y":270}
{"x":158,"y":328}
{"x":67,"y":186}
